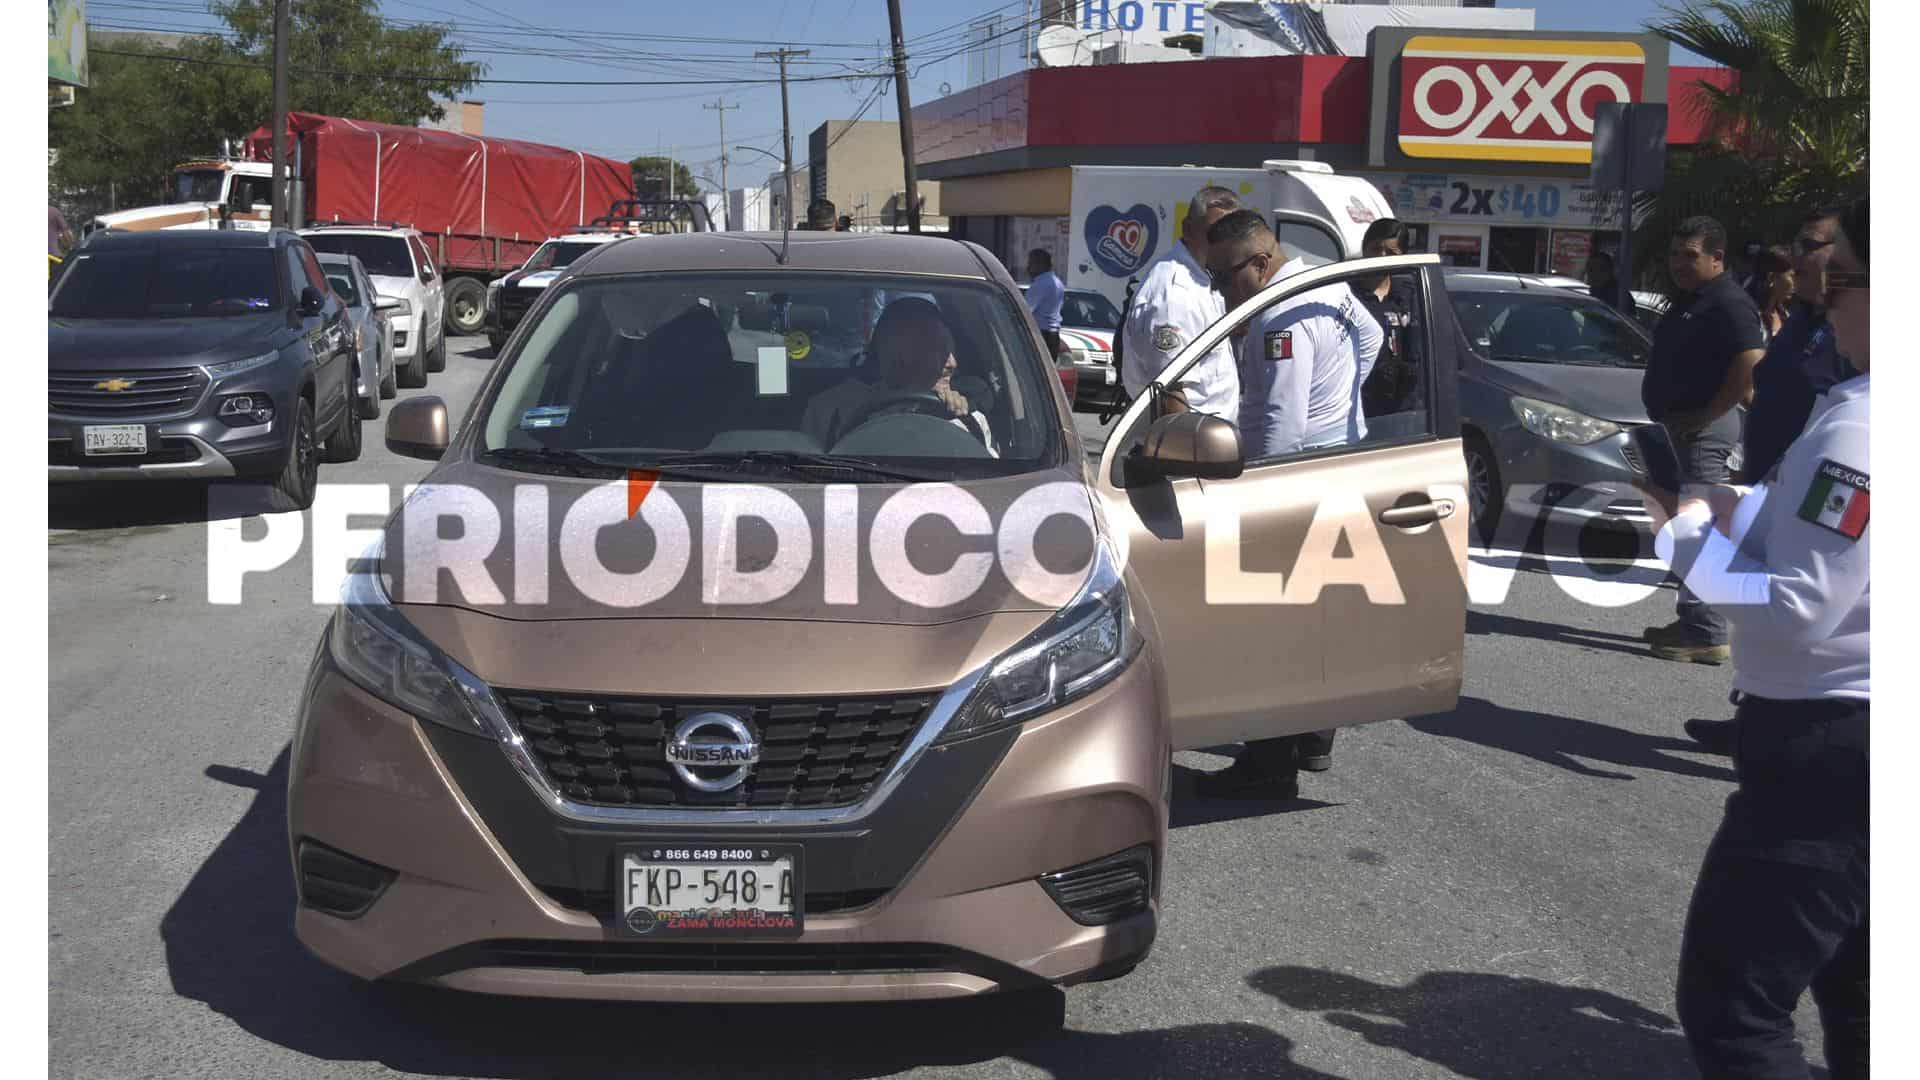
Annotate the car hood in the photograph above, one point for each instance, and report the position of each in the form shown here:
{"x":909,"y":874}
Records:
{"x":404,"y":287}
{"x":119,"y":344}
{"x":532,"y":279}
{"x":533,"y":570}
{"x":1609,"y":393}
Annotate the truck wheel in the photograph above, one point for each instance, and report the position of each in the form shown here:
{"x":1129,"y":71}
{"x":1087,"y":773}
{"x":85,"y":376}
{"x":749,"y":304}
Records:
{"x":437,"y":356}
{"x":466,"y":306}
{"x":413,"y":376}
{"x":293,"y":489}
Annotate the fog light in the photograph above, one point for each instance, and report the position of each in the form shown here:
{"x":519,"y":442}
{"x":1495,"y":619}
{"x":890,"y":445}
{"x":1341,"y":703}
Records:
{"x":337,"y":883}
{"x":1104,"y":890}
{"x":244,"y":410}
{"x":399,"y":339}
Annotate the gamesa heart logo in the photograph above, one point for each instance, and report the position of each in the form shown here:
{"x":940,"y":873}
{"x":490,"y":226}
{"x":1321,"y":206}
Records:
{"x":1122,"y":243}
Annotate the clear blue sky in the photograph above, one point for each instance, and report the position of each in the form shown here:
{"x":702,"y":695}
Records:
{"x":552,"y":39}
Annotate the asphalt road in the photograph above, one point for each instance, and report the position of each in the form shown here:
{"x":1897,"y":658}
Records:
{"x":1496,"y":892}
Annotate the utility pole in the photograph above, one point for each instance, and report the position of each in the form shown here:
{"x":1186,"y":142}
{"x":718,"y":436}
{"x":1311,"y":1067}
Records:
{"x":280,"y":216}
{"x":720,"y":106}
{"x":786,"y":128}
{"x":906,"y":115}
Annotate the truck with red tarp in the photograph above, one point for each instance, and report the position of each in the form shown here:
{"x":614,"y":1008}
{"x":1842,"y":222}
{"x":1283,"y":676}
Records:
{"x":483,"y":204}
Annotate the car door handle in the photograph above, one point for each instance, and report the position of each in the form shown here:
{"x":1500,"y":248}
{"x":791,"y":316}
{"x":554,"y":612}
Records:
{"x":1406,"y":517}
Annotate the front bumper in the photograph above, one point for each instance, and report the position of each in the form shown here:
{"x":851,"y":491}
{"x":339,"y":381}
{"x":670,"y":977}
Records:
{"x":967,"y":914}
{"x":195,"y":445}
{"x":1574,"y":485}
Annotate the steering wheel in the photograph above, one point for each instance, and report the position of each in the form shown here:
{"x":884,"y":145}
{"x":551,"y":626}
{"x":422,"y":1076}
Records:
{"x":897,"y":402}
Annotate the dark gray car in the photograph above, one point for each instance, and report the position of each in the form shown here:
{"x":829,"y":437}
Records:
{"x":1549,"y":386}
{"x":372,"y":329}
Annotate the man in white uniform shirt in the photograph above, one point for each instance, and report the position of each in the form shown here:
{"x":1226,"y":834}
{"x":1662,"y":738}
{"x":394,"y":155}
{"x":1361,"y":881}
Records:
{"x":1302,"y":362}
{"x":1171,"y":308}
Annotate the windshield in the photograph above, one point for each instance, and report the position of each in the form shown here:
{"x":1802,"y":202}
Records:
{"x":342,"y":283}
{"x":196,"y":185}
{"x":383,"y":256}
{"x":1548,"y":327}
{"x":1089,"y":309}
{"x":557,"y":255}
{"x":163,"y":283}
{"x":923,"y":379}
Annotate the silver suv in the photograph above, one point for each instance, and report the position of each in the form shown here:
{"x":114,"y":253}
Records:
{"x":396,"y":258}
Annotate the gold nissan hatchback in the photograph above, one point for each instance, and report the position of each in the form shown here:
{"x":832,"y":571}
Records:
{"x":765,"y":633}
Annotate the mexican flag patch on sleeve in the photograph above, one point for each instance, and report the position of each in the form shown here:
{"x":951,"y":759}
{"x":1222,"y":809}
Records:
{"x":1837,"y":500}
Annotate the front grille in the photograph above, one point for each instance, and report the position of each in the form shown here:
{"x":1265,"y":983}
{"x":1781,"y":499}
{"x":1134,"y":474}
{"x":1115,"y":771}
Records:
{"x":1632,"y":457}
{"x":170,"y":450}
{"x":611,"y":751}
{"x":514,"y":302}
{"x":160,"y":392}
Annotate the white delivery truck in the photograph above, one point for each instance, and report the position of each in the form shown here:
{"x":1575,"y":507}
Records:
{"x":1124,"y":217}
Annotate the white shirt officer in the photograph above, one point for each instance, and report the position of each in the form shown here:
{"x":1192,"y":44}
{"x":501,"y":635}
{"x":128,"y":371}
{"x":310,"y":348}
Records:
{"x":1302,"y":364}
{"x":1173,"y":306}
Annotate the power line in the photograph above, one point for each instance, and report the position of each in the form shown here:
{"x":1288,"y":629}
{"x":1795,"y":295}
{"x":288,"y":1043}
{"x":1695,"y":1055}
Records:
{"x":478,"y":80}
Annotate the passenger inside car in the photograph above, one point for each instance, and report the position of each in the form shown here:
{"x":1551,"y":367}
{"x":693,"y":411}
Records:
{"x":912,"y":355}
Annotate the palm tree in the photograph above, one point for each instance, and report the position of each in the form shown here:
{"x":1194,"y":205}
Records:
{"x":1789,"y":135}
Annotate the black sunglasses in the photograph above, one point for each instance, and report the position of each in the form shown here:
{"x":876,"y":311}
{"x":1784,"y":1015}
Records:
{"x":1215,"y":277}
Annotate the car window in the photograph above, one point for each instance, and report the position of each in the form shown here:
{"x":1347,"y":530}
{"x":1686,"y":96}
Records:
{"x":1089,"y":309}
{"x":1299,"y":240}
{"x":257,"y":189}
{"x":310,"y":267}
{"x":343,"y":285}
{"x":159,"y":283}
{"x":558,"y":254}
{"x":632,"y":369}
{"x":1548,"y":327}
{"x":383,"y":256}
{"x":424,"y":262}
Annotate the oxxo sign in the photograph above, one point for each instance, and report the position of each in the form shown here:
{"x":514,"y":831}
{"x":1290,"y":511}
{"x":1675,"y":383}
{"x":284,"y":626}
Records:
{"x":1510,"y":98}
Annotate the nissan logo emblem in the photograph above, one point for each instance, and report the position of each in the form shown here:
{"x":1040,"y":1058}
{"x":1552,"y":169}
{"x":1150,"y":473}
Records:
{"x":709,"y":741}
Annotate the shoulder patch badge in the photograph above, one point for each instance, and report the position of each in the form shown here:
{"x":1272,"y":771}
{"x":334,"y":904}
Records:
{"x":1279,"y":344}
{"x":1167,"y":338}
{"x":1837,"y":499}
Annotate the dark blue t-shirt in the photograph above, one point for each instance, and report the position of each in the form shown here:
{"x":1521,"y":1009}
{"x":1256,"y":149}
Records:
{"x":1694,"y":346}
{"x":1802,"y":363}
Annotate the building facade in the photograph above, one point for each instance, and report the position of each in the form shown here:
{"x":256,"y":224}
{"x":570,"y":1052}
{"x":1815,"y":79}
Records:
{"x":856,"y":165}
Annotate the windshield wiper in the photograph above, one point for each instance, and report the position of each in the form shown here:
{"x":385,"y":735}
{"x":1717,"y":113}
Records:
{"x":578,"y":462}
{"x":794,"y":462}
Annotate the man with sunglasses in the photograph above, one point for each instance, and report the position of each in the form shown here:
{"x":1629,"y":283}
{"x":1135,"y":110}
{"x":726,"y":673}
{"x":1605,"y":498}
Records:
{"x":1781,"y":904}
{"x":1303,"y":362}
{"x":1801,"y":364}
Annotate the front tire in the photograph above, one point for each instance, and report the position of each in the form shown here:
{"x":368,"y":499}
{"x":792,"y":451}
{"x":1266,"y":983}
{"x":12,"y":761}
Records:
{"x":466,"y":306}
{"x":1485,"y":497}
{"x":293,"y":488}
{"x":413,"y":376}
{"x":345,"y":444}
{"x":389,"y":383}
{"x":437,"y":357}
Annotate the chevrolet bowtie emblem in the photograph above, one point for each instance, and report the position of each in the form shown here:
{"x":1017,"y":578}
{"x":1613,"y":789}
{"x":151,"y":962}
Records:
{"x":114,"y":386}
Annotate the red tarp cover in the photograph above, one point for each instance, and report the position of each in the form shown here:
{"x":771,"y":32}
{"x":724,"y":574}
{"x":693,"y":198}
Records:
{"x":471,"y":188}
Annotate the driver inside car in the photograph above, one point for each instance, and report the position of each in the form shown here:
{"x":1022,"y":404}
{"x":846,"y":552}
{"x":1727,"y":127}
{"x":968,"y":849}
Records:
{"x":912,"y":352}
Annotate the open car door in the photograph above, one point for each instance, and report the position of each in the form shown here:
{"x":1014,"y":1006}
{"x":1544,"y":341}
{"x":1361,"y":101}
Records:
{"x":1321,"y":588}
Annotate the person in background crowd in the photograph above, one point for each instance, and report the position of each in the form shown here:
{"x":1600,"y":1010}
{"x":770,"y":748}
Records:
{"x":1302,"y":364}
{"x":1046,"y":293}
{"x":1781,"y":903}
{"x":1704,"y":351}
{"x":59,"y":237}
{"x":1800,"y":365}
{"x":1393,"y":374}
{"x":1173,"y":305}
{"x":1602,"y":281}
{"x":820,"y":213}
{"x":1771,"y":287}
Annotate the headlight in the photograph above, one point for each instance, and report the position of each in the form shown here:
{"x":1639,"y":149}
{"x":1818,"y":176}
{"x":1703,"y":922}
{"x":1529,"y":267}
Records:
{"x":381,"y":652}
{"x":1082,"y":648}
{"x":1561,"y":424}
{"x":235,"y":367}
{"x":1079,"y":356}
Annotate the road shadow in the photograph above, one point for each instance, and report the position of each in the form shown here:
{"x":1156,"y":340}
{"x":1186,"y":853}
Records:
{"x":1563,"y":741}
{"x":1189,"y":807}
{"x":1491,"y":623}
{"x":136,"y":504}
{"x":229,"y":944}
{"x":1489,"y":1026}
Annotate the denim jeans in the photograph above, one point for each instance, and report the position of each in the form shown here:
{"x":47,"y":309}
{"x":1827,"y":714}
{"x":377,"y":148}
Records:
{"x":1703,"y":457}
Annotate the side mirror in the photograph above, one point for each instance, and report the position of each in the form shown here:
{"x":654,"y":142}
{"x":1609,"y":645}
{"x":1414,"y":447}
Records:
{"x":241,"y":201}
{"x":417,"y":428}
{"x":1184,"y":444}
{"x":311,"y":301}
{"x":389,"y":304}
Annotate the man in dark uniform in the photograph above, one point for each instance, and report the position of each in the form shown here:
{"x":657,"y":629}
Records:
{"x":1801,"y":364}
{"x":1704,"y":351}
